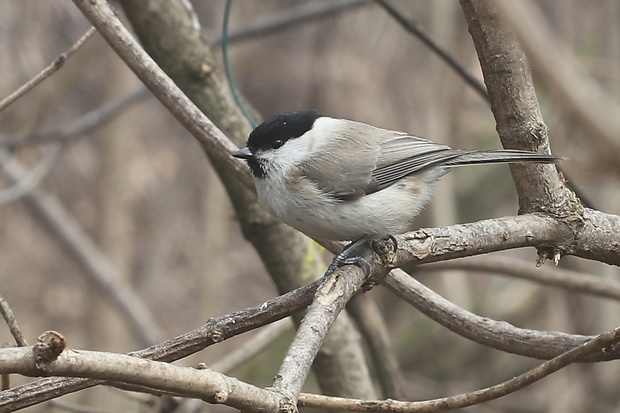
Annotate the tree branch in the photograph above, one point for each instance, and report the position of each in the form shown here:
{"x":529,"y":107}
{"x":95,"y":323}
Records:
{"x":515,"y":107}
{"x":330,"y":299}
{"x":217,"y":388}
{"x":205,"y":384}
{"x":47,"y":72}
{"x":118,"y":37}
{"x":593,"y":238}
{"x":413,"y":28}
{"x":214,"y":331}
{"x":9,"y":318}
{"x":497,"y":334}
{"x":574,"y":281}
{"x":600,"y":343}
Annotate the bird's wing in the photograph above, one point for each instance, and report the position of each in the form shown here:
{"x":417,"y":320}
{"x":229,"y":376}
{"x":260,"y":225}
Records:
{"x":401,"y":155}
{"x":343,"y":164}
{"x":374,"y":159}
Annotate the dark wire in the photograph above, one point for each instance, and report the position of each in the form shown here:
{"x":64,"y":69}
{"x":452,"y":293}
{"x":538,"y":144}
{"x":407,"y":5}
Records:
{"x":227,"y":70}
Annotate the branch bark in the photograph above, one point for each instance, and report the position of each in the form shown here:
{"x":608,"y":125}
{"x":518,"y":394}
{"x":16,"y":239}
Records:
{"x":205,"y":384}
{"x":594,"y":237}
{"x":330,"y":299}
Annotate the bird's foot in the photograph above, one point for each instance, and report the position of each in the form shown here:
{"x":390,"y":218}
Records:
{"x":344,"y":258}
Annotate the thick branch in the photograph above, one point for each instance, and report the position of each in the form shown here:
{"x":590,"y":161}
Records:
{"x":593,"y":238}
{"x":205,"y":384}
{"x":330,"y":299}
{"x":515,"y":107}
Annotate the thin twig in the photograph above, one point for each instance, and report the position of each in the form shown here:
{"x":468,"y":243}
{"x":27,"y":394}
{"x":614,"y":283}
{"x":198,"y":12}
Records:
{"x":86,"y":123}
{"x":33,"y":178}
{"x":598,"y":344}
{"x":9,"y":317}
{"x":558,"y":277}
{"x":47,"y":72}
{"x":285,"y":19}
{"x":411,"y":27}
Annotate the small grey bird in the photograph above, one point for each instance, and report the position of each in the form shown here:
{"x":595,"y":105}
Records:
{"x":337,"y":179}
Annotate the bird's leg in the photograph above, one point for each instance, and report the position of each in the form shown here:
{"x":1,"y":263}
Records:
{"x":344,"y":257}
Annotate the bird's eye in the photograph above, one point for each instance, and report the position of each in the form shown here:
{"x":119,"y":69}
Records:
{"x":276,"y":143}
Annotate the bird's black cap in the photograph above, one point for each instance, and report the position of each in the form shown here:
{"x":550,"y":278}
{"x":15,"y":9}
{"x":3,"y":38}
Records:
{"x":282,"y":127}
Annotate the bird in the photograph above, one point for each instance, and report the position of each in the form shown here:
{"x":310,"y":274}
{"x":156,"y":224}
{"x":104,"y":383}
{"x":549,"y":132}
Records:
{"x":341,"y":180}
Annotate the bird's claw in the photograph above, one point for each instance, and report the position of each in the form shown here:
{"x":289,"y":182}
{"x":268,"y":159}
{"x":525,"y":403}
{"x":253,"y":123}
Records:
{"x":338,"y":262}
{"x":344,"y":258}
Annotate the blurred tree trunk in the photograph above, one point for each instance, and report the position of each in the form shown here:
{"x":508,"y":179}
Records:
{"x":169,"y":35}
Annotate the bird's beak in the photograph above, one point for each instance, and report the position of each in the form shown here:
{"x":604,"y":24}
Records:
{"x":243,"y":153}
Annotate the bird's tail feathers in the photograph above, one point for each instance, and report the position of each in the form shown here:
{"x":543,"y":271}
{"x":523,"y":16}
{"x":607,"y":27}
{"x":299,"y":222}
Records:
{"x":500,"y":156}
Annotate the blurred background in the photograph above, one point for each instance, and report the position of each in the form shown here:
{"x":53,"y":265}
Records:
{"x":141,"y":189}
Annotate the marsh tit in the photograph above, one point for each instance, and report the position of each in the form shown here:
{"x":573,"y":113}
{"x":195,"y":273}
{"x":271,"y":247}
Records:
{"x":337,"y":179}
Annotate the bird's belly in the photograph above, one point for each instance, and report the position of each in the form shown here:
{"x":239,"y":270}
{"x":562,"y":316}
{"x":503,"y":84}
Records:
{"x":390,"y":211}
